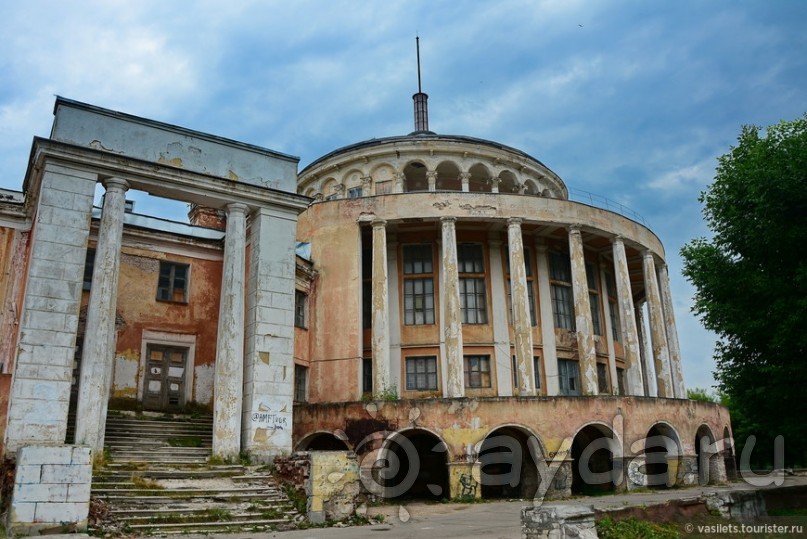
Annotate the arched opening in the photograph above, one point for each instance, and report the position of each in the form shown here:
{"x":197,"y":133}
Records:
{"x":448,"y":177}
{"x":530,"y":188}
{"x":414,"y":466}
{"x":728,"y":456}
{"x":546,"y":193}
{"x":706,"y":452}
{"x":662,"y":450}
{"x":593,"y":451}
{"x":509,"y":458}
{"x":508,"y":182}
{"x":322,"y":441}
{"x":479,"y":181}
{"x":415,"y":177}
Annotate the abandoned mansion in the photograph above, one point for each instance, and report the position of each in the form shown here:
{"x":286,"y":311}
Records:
{"x":422,"y":294}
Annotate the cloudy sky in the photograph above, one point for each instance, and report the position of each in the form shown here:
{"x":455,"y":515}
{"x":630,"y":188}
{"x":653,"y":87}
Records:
{"x":629,"y":100}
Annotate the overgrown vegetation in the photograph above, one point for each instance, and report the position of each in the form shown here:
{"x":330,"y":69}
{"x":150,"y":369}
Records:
{"x":702,"y":395}
{"x":632,"y":528}
{"x":185,"y":441}
{"x":750,"y":279}
{"x":145,"y":483}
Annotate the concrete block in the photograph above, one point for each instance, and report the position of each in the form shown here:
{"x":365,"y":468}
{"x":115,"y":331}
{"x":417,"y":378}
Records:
{"x":41,"y":372}
{"x":62,"y":512}
{"x":22,"y":512}
{"x":54,"y":288}
{"x":39,"y":454}
{"x":39,"y":413}
{"x":28,"y":473}
{"x":44,"y":320}
{"x":82,"y":455}
{"x":59,"y":252}
{"x":66,"y":473}
{"x":39,"y":493}
{"x":79,"y":492}
{"x":43,"y":389}
{"x":43,"y":336}
{"x":61,"y":235}
{"x":21,"y":431}
{"x":63,"y":217}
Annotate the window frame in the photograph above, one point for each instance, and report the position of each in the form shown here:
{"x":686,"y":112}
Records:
{"x":300,"y":390}
{"x":560,"y":290}
{"x":300,"y":309}
{"x":89,"y":268}
{"x":430,"y":370}
{"x":482,"y":371}
{"x":367,"y":375}
{"x":594,"y":298}
{"x":603,"y":384}
{"x":569,"y":377}
{"x":613,"y":307}
{"x":472,"y":283}
{"x":418,"y":269}
{"x":172,"y":289}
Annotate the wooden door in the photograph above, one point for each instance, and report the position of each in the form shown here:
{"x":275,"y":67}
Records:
{"x":164,"y":382}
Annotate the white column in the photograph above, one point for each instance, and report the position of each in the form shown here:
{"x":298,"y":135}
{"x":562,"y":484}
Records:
{"x":229,"y":374}
{"x":609,"y":330}
{"x":584,"y":327}
{"x":452,"y":336}
{"x":494,"y":185}
{"x":465,"y":178}
{"x":501,"y":330}
{"x":431,"y":178}
{"x":641,"y":331}
{"x":661,"y":354}
{"x":266,"y":420}
{"x":630,"y":335}
{"x":672,"y":333}
{"x":398,"y":182}
{"x":548,"y":346}
{"x":99,"y":340}
{"x":380,"y":313}
{"x":522,"y":326}
{"x":394,"y":322}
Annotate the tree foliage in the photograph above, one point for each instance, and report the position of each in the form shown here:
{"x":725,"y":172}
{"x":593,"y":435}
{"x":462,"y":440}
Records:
{"x":751,"y":283}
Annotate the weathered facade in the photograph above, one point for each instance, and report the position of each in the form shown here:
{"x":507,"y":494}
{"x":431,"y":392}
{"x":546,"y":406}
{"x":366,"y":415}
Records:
{"x":434,"y":297}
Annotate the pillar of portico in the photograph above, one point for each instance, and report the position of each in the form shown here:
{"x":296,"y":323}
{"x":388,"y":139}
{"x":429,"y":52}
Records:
{"x":584,"y":326}
{"x":501,"y":329}
{"x":99,"y":340}
{"x":452,"y":326}
{"x":522,"y":326}
{"x":676,"y":372}
{"x":658,"y":333}
{"x":465,"y":178}
{"x":609,"y":330}
{"x":494,"y":184}
{"x":548,"y":346}
{"x":431,"y":177}
{"x":380,"y":313}
{"x":229,"y":374}
{"x":630,"y":335}
{"x":398,"y":182}
{"x":641,"y":331}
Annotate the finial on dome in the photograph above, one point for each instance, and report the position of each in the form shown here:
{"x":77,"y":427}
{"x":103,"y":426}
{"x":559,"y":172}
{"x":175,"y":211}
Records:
{"x":420,"y":99}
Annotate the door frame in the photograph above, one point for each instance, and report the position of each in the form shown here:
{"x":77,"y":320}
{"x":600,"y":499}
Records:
{"x":178,"y":340}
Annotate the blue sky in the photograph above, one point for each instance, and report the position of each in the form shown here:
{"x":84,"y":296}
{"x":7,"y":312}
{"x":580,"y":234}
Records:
{"x":631,"y":100}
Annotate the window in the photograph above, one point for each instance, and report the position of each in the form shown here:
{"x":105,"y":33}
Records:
{"x":536,"y":369}
{"x":594,"y":298}
{"x":471,"y":267}
{"x":421,"y":373}
{"x":560,"y":287}
{"x":367,"y":288}
{"x":383,"y":188}
{"x":418,"y":285}
{"x":477,"y":371}
{"x":530,"y":287}
{"x":300,"y":309}
{"x":367,"y":375}
{"x":620,"y":380}
{"x":173,"y":282}
{"x":354,"y":192}
{"x":300,"y":379}
{"x":89,"y":265}
{"x":610,"y":288}
{"x":569,"y":375}
{"x":602,"y":378}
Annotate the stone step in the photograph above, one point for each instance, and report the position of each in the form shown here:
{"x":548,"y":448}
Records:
{"x":147,"y":516}
{"x":251,"y":478}
{"x":200,"y":527}
{"x":163,"y":461}
{"x":147,"y":454}
{"x":180,"y":492}
{"x":120,"y":501}
{"x":194,"y":473}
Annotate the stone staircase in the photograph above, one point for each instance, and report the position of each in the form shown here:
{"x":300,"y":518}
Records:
{"x":158,"y":480}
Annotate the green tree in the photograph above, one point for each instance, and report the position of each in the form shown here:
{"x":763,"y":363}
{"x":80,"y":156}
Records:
{"x":701,"y":394}
{"x":751,"y":285}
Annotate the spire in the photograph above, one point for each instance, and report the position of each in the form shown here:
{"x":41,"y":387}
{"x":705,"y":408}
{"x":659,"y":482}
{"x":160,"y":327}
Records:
{"x":421,"y":100}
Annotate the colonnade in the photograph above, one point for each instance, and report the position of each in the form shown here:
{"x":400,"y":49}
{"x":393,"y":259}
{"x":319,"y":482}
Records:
{"x":665,"y":348}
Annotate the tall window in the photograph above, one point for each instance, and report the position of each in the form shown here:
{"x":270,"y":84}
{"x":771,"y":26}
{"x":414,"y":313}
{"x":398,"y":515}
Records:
{"x":300,"y":309}
{"x":300,"y":382}
{"x":421,"y":373}
{"x":594,"y":298}
{"x":418,"y":285}
{"x":367,"y":288}
{"x":602,"y":378}
{"x":471,"y":268}
{"x":354,"y":192}
{"x":530,"y":287}
{"x":610,"y":288}
{"x":477,"y":371}
{"x":172,"y":284}
{"x":560,"y":287}
{"x":536,"y":366}
{"x":367,"y":375}
{"x":620,"y":379}
{"x":89,"y":265}
{"x":569,"y":375}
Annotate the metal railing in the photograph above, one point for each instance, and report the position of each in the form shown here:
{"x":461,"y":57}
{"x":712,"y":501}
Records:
{"x":599,"y":201}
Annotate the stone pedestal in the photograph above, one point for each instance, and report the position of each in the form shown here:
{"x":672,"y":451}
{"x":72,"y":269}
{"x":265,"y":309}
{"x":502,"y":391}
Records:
{"x":558,"y":522}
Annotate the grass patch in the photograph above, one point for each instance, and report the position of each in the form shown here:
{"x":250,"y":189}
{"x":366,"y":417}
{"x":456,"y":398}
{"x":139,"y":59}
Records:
{"x":632,"y":528}
{"x":221,"y":515}
{"x":185,"y":441}
{"x":790,"y":512}
{"x":298,"y":499}
{"x":145,"y":483}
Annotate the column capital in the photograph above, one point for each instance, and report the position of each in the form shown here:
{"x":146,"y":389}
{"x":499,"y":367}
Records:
{"x":647,"y":253}
{"x":515,"y":221}
{"x":448,"y":219}
{"x":111,"y":184}
{"x":619,"y":238}
{"x":379,"y":223}
{"x":236,"y":207}
{"x":574,"y":229}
